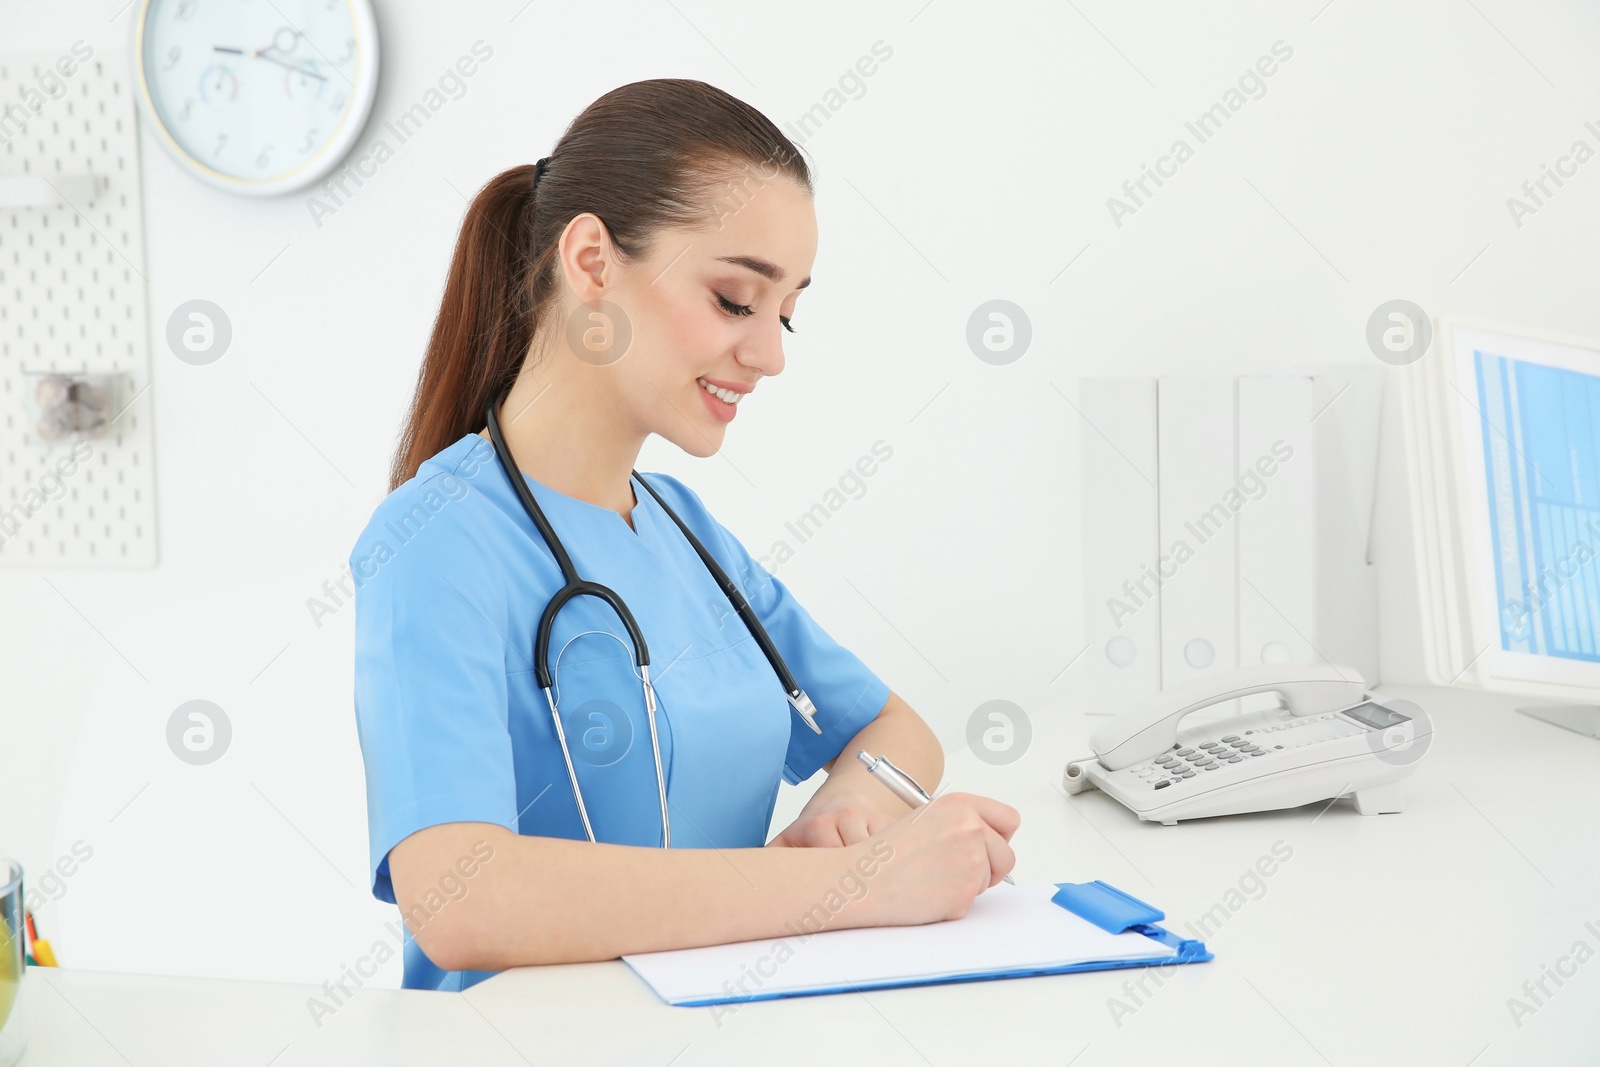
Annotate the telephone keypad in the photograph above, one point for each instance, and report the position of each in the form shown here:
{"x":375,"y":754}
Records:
{"x":1181,"y":761}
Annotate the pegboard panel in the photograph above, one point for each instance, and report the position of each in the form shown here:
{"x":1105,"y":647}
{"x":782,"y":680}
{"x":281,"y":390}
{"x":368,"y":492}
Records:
{"x":73,"y":301}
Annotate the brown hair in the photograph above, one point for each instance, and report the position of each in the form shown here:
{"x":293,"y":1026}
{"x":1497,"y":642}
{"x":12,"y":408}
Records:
{"x":643,"y":157}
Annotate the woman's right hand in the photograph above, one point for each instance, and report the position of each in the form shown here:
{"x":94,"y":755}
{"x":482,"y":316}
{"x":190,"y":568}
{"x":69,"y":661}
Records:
{"x":938,"y":859}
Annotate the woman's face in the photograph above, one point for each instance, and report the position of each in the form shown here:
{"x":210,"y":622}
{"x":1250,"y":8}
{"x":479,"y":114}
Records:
{"x":707,"y":307}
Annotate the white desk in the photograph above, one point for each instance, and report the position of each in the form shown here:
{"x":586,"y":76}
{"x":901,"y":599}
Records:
{"x":1391,"y":939}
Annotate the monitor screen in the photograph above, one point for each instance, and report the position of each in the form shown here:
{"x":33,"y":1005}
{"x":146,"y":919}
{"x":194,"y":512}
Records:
{"x":1527,"y":508}
{"x":1540,"y":436}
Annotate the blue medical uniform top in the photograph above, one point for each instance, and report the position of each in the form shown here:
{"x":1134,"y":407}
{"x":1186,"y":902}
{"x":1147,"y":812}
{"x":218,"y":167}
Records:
{"x":451,"y":577}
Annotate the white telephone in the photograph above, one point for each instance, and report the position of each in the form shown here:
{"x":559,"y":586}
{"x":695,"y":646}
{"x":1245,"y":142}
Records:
{"x":1330,"y":737}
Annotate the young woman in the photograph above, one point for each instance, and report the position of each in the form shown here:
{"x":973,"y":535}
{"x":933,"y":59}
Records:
{"x":637,"y":281}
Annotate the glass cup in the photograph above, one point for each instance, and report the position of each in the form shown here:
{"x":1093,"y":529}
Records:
{"x":13,"y":1036}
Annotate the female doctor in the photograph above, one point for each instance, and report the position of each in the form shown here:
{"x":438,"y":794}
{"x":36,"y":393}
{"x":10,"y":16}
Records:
{"x":639,"y":280}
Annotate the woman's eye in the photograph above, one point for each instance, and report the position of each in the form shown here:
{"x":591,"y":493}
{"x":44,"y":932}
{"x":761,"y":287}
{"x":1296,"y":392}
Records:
{"x":745,"y":309}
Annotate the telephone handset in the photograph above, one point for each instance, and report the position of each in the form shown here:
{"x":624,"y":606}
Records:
{"x":1328,"y":738}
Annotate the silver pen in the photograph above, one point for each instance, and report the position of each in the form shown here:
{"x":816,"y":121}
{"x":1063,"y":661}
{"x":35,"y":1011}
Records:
{"x":900,"y":784}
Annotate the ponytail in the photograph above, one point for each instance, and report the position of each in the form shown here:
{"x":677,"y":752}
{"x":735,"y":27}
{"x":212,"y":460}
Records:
{"x":644,"y":157}
{"x":484,"y":326}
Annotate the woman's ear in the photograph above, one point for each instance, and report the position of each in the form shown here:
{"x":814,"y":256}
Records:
{"x":588,"y":257}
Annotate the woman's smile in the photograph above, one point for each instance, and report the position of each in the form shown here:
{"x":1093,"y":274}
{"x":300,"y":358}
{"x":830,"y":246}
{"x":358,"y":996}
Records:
{"x":721,"y":398}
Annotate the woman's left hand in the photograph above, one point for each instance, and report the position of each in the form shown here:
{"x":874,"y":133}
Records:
{"x":832,"y":827}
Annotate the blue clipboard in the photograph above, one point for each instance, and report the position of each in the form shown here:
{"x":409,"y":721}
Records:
{"x":1098,"y":902}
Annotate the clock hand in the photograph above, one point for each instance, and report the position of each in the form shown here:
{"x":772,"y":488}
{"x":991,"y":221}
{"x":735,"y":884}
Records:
{"x":257,"y":53}
{"x":294,"y":67}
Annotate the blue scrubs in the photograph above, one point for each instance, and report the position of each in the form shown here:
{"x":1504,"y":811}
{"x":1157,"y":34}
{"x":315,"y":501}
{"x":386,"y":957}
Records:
{"x":451,"y":577}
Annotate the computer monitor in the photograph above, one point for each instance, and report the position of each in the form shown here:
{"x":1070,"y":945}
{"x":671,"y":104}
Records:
{"x":1525,"y":439}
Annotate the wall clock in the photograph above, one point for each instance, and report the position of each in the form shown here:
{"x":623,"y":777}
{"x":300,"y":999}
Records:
{"x":253,"y":97}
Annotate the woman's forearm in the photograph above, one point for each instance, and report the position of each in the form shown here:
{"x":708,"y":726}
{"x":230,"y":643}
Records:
{"x":899,"y":733}
{"x":616,"y":899}
{"x":550,"y":900}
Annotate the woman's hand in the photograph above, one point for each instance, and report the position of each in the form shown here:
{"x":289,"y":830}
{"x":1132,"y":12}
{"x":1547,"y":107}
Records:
{"x":832,"y":826}
{"x":933,"y":862}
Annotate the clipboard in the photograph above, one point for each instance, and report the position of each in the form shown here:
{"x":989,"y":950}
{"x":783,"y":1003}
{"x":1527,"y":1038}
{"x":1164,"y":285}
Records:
{"x":1010,"y":932}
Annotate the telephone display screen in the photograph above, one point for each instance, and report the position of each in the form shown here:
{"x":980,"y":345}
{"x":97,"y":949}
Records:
{"x":1376,"y":715}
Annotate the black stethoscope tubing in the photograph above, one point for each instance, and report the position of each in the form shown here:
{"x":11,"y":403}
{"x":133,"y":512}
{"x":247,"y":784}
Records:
{"x":575,"y":586}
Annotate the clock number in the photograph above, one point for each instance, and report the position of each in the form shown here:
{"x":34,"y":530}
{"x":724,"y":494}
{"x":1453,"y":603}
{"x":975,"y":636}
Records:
{"x":311,"y":139}
{"x":173,"y":55}
{"x":264,"y":158}
{"x":349,"y":50}
{"x":337,"y":105}
{"x":185,"y":11}
{"x":188,"y":107}
{"x":222,"y":139}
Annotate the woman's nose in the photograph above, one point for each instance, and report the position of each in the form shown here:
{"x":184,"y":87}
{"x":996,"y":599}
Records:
{"x":765,"y":352}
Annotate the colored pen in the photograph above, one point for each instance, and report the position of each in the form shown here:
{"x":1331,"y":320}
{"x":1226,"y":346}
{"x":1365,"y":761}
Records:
{"x":43,"y":956}
{"x":900,"y":784}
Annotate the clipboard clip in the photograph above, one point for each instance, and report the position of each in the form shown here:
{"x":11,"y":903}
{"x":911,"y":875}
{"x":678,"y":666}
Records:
{"x":1117,"y":912}
{"x":1106,"y":906}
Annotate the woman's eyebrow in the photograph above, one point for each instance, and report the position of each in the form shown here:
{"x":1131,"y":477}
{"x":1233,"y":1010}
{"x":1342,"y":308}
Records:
{"x":770,"y":271}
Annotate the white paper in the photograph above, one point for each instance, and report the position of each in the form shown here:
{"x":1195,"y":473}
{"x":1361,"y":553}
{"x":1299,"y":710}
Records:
{"x":1009,"y":928}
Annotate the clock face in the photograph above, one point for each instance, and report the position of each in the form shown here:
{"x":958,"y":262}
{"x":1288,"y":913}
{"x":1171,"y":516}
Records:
{"x":256,"y":96}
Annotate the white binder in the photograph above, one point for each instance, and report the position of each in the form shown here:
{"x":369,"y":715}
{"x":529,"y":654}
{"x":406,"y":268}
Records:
{"x":1277,"y":521}
{"x":1244,"y":503}
{"x":1122,"y":608}
{"x":1198,"y":530}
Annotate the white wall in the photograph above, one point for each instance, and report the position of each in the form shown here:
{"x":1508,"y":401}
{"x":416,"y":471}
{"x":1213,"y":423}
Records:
{"x":976,"y":165}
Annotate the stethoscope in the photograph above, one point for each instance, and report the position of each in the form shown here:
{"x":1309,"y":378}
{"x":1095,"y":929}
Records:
{"x":576,"y":587}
